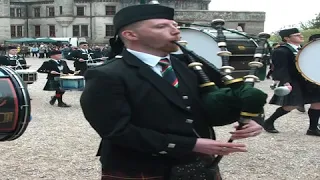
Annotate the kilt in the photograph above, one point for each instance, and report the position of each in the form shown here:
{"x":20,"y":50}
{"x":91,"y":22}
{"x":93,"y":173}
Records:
{"x":52,"y":85}
{"x":106,"y":175}
{"x":122,"y":176}
{"x":311,"y":93}
{"x":117,"y":175}
{"x":295,"y":98}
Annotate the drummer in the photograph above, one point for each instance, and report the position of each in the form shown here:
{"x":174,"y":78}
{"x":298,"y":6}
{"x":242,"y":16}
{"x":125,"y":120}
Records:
{"x":80,"y":57}
{"x":16,"y":60}
{"x":301,"y":93}
{"x":55,"y":67}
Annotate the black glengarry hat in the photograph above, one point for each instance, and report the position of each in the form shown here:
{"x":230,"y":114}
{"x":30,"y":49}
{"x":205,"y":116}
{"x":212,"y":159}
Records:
{"x":287,"y":32}
{"x":12,"y":47}
{"x":83,"y":43}
{"x":54,"y":52}
{"x":136,"y":13}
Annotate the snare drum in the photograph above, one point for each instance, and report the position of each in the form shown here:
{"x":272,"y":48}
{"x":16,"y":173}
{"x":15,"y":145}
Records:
{"x":72,"y":83}
{"x":14,"y":105}
{"x":28,"y":76}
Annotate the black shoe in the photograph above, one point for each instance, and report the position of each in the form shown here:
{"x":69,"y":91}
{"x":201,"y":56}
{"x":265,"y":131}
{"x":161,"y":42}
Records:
{"x":301,"y":109}
{"x":53,"y":100}
{"x":269,"y":127}
{"x":313,"y":132}
{"x":63,"y":105}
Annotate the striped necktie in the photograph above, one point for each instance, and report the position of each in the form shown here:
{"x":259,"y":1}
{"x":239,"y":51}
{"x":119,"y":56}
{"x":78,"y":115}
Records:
{"x":168,"y":72}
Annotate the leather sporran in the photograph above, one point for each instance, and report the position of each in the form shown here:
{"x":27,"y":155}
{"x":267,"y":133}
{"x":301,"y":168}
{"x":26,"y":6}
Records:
{"x":198,"y":170}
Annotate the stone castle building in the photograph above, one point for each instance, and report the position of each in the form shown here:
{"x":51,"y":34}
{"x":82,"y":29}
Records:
{"x":92,"y":19}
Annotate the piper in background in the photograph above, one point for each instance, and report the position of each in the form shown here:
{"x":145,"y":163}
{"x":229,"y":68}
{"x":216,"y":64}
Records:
{"x":55,"y":67}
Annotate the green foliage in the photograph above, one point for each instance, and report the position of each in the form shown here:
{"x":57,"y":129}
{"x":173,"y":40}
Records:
{"x":312,"y":24}
{"x":275,"y":37}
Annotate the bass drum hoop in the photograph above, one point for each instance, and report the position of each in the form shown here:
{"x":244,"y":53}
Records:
{"x":217,"y":63}
{"x":298,"y":59}
{"x":23,"y":105}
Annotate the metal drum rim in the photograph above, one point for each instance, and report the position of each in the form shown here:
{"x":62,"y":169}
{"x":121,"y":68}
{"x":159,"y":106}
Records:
{"x":297,"y":60}
{"x":17,"y":133}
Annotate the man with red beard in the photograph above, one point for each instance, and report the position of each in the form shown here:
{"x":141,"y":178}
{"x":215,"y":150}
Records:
{"x":146,"y":106}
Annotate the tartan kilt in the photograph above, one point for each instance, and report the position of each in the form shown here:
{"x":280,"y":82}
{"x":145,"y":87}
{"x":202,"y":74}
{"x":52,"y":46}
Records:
{"x":52,"y":85}
{"x":117,"y":175}
{"x":114,"y":175}
{"x":295,"y":98}
{"x":311,"y":93}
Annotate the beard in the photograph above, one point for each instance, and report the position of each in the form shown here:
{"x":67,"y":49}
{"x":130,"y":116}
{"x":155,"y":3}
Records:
{"x":170,"y":48}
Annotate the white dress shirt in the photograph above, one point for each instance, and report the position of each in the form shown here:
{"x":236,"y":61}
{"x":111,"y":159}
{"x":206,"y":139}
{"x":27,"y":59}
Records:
{"x":151,"y":60}
{"x":294,"y":46}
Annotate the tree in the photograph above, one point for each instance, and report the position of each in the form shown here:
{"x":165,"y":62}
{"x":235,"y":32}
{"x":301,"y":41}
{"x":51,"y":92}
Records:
{"x":312,"y":24}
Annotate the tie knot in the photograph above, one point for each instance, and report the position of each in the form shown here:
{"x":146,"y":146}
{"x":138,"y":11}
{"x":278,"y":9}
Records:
{"x":164,"y":62}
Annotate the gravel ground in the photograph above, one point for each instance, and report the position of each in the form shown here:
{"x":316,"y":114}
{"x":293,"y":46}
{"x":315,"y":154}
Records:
{"x":60,"y":144}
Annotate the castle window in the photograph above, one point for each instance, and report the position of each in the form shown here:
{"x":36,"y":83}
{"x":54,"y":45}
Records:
{"x":80,"y":11}
{"x":60,"y":9}
{"x":84,"y":30}
{"x":109,"y":30}
{"x":18,"y":12}
{"x":37,"y":31}
{"x":110,"y":10}
{"x":80,"y":30}
{"x":50,"y":11}
{"x":13,"y":31}
{"x":52,"y":31}
{"x":12,"y":12}
{"x":36,"y":12}
{"x":19,"y":31}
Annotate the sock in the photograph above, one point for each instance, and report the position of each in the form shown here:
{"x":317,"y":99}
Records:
{"x":278,"y":113}
{"x":314,"y":115}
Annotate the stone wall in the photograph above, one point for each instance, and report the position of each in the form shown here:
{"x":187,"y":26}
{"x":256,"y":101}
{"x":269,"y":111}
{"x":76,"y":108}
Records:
{"x":254,"y":21}
{"x":96,"y":19}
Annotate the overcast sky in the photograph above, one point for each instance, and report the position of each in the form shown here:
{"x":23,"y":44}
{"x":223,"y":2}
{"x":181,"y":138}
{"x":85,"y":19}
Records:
{"x":279,"y":13}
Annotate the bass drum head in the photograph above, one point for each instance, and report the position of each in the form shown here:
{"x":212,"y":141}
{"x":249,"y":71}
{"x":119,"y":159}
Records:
{"x":14,"y":105}
{"x":202,"y":43}
{"x":308,"y":62}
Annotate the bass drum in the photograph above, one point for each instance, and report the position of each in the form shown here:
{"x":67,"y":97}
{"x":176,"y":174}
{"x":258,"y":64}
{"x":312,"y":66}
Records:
{"x":14,"y":105}
{"x":204,"y":43}
{"x":307,"y":62}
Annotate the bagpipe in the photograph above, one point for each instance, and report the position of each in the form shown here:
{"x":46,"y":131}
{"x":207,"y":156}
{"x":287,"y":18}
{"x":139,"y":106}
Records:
{"x":237,"y":97}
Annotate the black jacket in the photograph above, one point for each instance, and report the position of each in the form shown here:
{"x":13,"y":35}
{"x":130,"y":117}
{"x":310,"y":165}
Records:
{"x":145,"y":123}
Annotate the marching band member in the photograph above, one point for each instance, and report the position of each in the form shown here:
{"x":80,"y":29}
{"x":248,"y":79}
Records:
{"x":80,"y":56}
{"x":55,"y":67}
{"x":146,"y":105}
{"x":286,"y":72}
{"x":15,"y":59}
